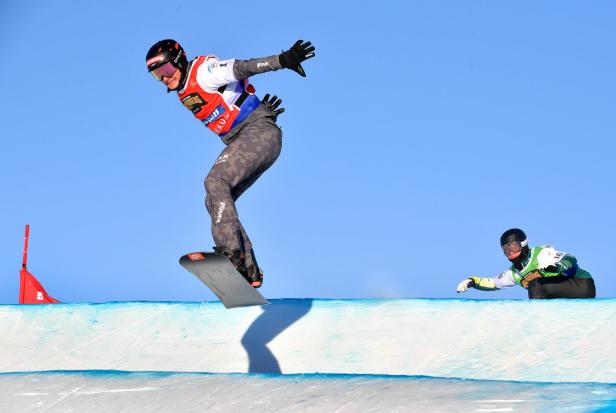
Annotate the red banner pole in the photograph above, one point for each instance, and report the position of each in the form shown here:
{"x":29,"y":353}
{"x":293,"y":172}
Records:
{"x":25,"y":261}
{"x":22,"y":273}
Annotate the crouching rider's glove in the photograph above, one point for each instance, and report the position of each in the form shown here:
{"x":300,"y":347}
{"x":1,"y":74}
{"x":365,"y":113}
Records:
{"x":465,"y":285}
{"x":292,"y":58}
{"x":272,"y":104}
{"x":553,"y":269}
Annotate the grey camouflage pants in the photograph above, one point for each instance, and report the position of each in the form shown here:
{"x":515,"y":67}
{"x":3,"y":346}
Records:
{"x":255,"y":148}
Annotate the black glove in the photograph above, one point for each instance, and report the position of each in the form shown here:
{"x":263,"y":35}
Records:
{"x":292,"y":58}
{"x":273,"y":103}
{"x":550,"y":268}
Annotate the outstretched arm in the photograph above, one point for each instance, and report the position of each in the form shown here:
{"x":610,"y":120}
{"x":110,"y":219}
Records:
{"x":480,"y":283}
{"x":217,"y":73}
{"x":504,"y":280}
{"x":290,"y":59}
{"x":246,"y":68}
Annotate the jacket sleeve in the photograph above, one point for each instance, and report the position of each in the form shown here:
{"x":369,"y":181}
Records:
{"x":214,"y":73}
{"x":484,"y":283}
{"x":504,"y":280}
{"x":246,"y":68}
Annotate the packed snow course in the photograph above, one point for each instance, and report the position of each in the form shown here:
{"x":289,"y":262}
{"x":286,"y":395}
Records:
{"x":111,"y":391}
{"x":310,"y":356}
{"x":515,"y":340}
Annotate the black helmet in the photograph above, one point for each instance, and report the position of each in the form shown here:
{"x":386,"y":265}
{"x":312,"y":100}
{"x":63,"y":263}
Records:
{"x":513,"y":234}
{"x":167,"y":51}
{"x":515,"y":239}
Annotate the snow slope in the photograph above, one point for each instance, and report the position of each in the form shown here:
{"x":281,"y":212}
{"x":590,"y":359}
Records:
{"x":519,"y":340}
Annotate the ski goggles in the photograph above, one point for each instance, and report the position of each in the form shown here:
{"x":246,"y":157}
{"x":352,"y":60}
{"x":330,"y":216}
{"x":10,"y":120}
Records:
{"x":512,"y":248}
{"x":166,"y":70}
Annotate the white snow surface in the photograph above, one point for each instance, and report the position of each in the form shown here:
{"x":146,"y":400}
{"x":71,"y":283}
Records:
{"x":182,"y":392}
{"x":517,"y":340}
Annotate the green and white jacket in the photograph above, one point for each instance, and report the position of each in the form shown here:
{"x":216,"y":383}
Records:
{"x":538,"y":258}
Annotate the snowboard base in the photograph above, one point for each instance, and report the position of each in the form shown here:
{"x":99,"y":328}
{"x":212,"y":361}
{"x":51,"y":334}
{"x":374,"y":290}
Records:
{"x":216,"y":271}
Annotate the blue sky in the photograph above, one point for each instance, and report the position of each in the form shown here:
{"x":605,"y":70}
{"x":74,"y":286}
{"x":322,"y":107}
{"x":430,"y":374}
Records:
{"x":422,"y":132}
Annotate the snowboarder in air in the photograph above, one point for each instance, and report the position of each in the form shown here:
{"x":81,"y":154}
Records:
{"x":543,"y":271}
{"x":219,"y":94}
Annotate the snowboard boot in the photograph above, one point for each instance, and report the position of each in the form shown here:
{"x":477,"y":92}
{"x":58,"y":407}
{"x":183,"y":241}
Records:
{"x":237,"y":258}
{"x":252,"y":273}
{"x":254,"y":276}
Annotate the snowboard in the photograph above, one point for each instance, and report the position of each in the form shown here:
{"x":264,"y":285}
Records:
{"x":216,"y":271}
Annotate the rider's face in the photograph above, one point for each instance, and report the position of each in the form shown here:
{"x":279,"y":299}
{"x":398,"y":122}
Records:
{"x":512,"y":250}
{"x":513,"y":255}
{"x":173,"y":81}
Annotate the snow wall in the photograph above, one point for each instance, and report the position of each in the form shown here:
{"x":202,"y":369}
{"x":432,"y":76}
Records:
{"x":539,"y":340}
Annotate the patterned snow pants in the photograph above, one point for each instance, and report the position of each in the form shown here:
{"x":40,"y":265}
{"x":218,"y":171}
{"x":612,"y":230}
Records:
{"x":255,"y":148}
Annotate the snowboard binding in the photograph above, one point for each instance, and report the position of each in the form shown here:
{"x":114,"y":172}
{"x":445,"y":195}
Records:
{"x":252,"y":273}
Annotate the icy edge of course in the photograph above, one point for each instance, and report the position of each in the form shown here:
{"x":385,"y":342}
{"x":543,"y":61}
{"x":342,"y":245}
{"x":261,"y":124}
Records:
{"x":518,"y":340}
